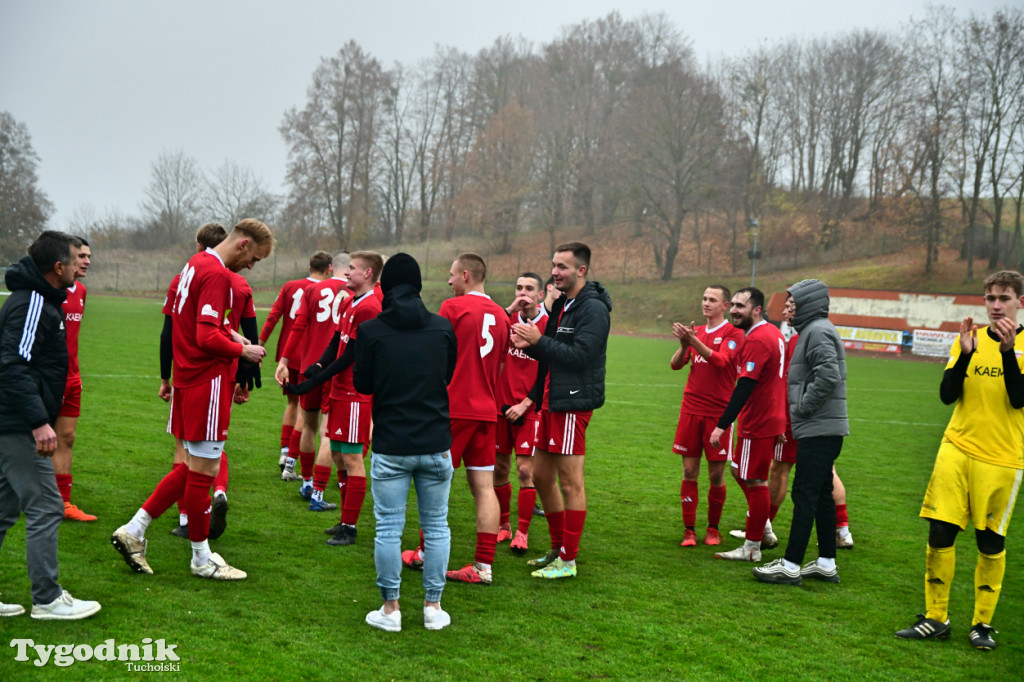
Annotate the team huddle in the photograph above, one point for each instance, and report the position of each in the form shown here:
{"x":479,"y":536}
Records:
{"x":367,"y":370}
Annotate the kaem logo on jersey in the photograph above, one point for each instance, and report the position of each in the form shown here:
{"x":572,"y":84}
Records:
{"x":750,"y":366}
{"x":732,"y":344}
{"x":208,"y":310}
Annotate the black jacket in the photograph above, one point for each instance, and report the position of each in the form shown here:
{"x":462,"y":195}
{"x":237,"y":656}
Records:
{"x":33,"y":350}
{"x":573,"y":351}
{"x":405,"y":358}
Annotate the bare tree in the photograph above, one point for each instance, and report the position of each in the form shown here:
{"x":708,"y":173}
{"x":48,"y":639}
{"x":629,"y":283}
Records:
{"x":673,"y":134}
{"x":24,"y":207}
{"x":332,"y":141}
{"x":234,"y":192}
{"x":173,"y":200}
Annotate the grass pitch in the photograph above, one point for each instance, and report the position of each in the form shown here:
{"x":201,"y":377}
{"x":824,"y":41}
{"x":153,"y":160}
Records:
{"x":641,"y":608}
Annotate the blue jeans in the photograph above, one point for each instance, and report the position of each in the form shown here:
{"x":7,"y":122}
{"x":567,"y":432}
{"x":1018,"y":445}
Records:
{"x":432,"y":475}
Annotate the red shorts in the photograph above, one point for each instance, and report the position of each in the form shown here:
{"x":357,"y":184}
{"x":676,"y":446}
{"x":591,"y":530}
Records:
{"x":753,"y":457}
{"x":202,"y":412}
{"x":317,"y":399}
{"x":787,"y":453}
{"x":563,"y":433}
{"x":473,"y":442}
{"x":293,"y":378}
{"x":693,"y":434}
{"x":72,"y":406}
{"x":349,"y":421}
{"x":516,"y":439}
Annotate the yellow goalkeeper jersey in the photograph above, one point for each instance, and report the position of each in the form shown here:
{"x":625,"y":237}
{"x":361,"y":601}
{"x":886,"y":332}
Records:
{"x":984,"y":425}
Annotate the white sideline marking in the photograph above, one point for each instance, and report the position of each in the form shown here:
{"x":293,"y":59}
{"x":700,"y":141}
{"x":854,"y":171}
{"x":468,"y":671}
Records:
{"x":120,"y":376}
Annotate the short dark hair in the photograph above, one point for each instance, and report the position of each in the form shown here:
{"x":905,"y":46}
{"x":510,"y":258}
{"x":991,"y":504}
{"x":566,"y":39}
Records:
{"x":535,"y":276}
{"x":82,"y":241}
{"x":50,"y":247}
{"x":580,"y":251}
{"x":1007,"y":279}
{"x":211,"y":234}
{"x":474,"y":264}
{"x":756,"y":296}
{"x":724,"y":289}
{"x":320,"y":261}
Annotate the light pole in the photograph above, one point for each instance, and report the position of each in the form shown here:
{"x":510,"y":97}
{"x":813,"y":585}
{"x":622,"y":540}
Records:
{"x":754,"y":253}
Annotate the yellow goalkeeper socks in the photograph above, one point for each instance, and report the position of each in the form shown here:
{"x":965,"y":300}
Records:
{"x":940,"y":564}
{"x":988,"y":581}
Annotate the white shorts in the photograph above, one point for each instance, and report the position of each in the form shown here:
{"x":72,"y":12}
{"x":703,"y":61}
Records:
{"x":207,"y":449}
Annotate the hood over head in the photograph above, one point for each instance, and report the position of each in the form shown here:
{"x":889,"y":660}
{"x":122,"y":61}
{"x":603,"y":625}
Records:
{"x":812,"y":300}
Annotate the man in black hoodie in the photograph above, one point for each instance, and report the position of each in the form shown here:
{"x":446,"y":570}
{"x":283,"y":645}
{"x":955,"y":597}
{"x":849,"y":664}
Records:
{"x":33,"y":369}
{"x":570,"y":385}
{"x":405,"y":358}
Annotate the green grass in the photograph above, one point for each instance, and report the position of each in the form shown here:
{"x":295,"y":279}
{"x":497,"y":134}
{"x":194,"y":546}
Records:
{"x":641,"y":608}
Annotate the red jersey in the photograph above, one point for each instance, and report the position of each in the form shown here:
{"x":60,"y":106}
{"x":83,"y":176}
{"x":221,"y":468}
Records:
{"x":315,"y":323}
{"x":354,"y":311}
{"x":203,"y":297}
{"x":762,"y":357}
{"x":482,"y":332}
{"x":171,"y":291}
{"x":241,"y":305}
{"x":74,"y":308}
{"x":285,"y":308}
{"x":711,"y":382}
{"x":520,"y":370}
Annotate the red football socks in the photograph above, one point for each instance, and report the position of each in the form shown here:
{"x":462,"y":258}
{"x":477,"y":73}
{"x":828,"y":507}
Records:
{"x":688,"y":494}
{"x":556,"y":526}
{"x":574,"y":519}
{"x":716,"y":501}
{"x":343,"y":484}
{"x":321,"y":475}
{"x":221,"y":481}
{"x":842,"y":518}
{"x":772,"y":511}
{"x":64,"y":486}
{"x":525,"y":502}
{"x":197,"y":505}
{"x":485,"y":544}
{"x":758,"y":503}
{"x":286,"y":435}
{"x":307,"y":460}
{"x":169,"y":490}
{"x":504,"y":493}
{"x":355,"y":493}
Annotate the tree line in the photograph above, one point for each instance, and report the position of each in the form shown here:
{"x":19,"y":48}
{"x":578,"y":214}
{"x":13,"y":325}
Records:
{"x":615,"y":122}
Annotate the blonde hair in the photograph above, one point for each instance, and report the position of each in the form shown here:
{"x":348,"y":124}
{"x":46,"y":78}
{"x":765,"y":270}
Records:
{"x":258,"y":232}
{"x":372,"y":259}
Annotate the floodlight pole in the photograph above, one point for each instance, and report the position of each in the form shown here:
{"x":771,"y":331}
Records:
{"x":753,"y":254}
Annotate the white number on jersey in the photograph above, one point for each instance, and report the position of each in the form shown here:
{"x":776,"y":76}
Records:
{"x":782,"y":357}
{"x":342,"y":295}
{"x":296,"y":302}
{"x":183,"y":284}
{"x":325,"y":304}
{"x":485,"y":334}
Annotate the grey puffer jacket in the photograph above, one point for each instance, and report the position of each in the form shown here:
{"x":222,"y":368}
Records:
{"x":817,"y":371}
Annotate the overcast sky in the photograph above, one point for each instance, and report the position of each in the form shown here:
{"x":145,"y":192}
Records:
{"x":105,"y":86}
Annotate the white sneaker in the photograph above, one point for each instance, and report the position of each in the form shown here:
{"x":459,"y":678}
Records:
{"x":390,"y":622}
{"x":769,"y":540}
{"x":434,"y":619}
{"x":844,"y":541}
{"x":132,"y":549}
{"x":65,"y":607}
{"x":11,"y":610}
{"x":289,"y":475}
{"x":217,"y":569}
{"x":741,"y":553}
{"x":739,"y":534}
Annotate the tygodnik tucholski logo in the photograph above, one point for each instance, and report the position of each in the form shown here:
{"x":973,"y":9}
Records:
{"x":153,"y":656}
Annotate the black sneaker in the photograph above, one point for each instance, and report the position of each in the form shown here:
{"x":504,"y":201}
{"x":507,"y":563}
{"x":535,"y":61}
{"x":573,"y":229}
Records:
{"x":981,"y":637}
{"x":333,"y":530}
{"x":537,"y":509}
{"x":218,"y":516}
{"x":926,"y":628}
{"x":345,"y":536}
{"x":180,"y":531}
